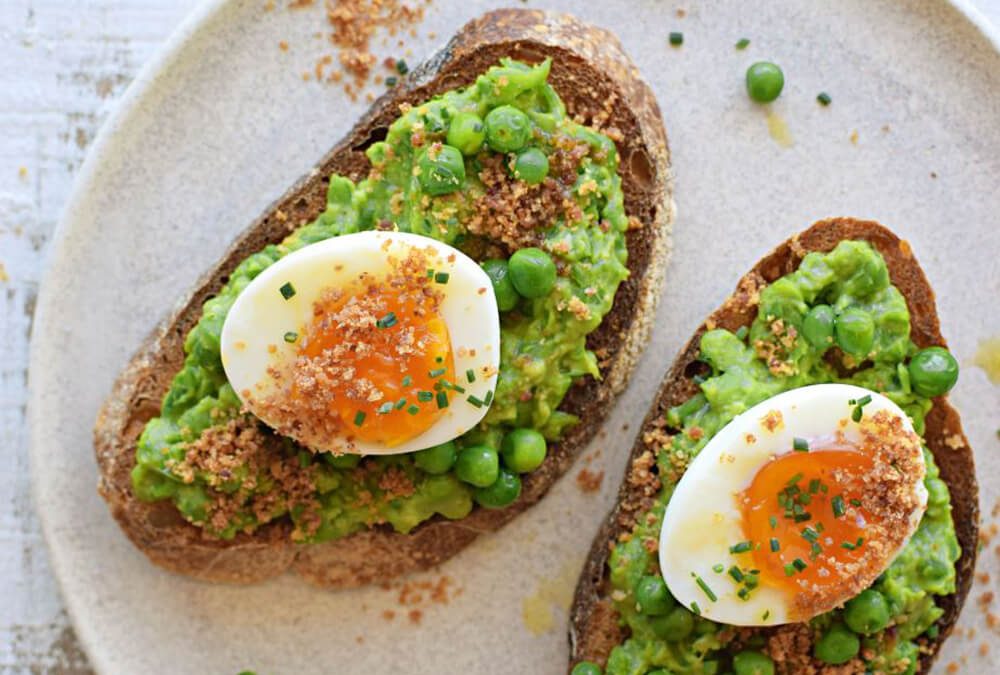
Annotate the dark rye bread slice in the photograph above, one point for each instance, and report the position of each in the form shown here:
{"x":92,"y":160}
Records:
{"x":594,"y":628}
{"x":600,"y":86}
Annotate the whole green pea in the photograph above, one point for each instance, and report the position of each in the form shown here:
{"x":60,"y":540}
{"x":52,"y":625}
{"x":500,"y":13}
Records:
{"x":675,"y":626}
{"x":933,"y":371}
{"x":503,"y":492}
{"x":508,"y":129}
{"x":503,"y":288}
{"x":764,"y":81}
{"x":442,"y":170}
{"x":818,"y":326}
{"x":523,"y":450}
{"x":750,"y":662}
{"x":437,"y":459}
{"x":867,"y":612}
{"x":652,"y":597}
{"x":838,"y":645}
{"x":467,"y":132}
{"x":855,"y":332}
{"x":532,"y":272}
{"x":586,"y":668}
{"x":531,"y":166}
{"x":478,"y":465}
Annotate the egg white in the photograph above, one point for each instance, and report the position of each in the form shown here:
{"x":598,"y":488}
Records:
{"x":703,"y":519}
{"x":253,"y":333}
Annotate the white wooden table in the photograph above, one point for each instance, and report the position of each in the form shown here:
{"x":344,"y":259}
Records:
{"x":63,"y":65}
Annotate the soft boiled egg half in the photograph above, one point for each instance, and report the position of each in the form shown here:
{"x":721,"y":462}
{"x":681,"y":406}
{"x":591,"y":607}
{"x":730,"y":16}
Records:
{"x":369,"y":343}
{"x":794,"y":507}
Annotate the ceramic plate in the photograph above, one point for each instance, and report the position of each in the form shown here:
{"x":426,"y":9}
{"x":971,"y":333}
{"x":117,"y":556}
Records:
{"x":222,"y":122}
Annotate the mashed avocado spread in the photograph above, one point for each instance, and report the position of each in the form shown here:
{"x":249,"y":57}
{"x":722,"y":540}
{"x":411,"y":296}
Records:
{"x":747,"y":367}
{"x":491,"y":169}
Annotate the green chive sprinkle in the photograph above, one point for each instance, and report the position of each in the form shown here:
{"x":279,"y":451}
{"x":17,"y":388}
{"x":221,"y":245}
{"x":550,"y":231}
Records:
{"x":742,"y":43}
{"x":400,"y":404}
{"x":407,"y":381}
{"x":800,"y":445}
{"x":425,"y":396}
{"x":718,"y":567}
{"x":441,"y":278}
{"x":704,"y":587}
{"x":470,"y":375}
{"x":430,"y":275}
{"x":824,"y":98}
{"x":799,"y":564}
{"x":767,"y":613}
{"x":387,"y":321}
{"x":287,"y":291}
{"x":865,"y":400}
{"x":855,"y":502}
{"x":775,"y":545}
{"x":413,"y":410}
{"x":359,"y":418}
{"x":391,"y":81}
{"x":442,"y":400}
{"x":794,"y":479}
{"x":489,"y":397}
{"x":743,"y":593}
{"x":773,"y":521}
{"x":474,"y":400}
{"x":439,"y":359}
{"x":401,"y":67}
{"x":838,"y":506}
{"x":437,"y":372}
{"x":741,"y":547}
{"x":385,"y":408}
{"x":814,"y":486}
{"x":676,"y":39}
{"x":810,"y":534}
{"x":848,"y":545}
{"x":856,"y":414}
{"x":291,"y":336}
{"x":819,"y":527}
{"x":695,"y":608}
{"x":802,"y":517}
{"x":789,"y":570}
{"x":736,"y":574}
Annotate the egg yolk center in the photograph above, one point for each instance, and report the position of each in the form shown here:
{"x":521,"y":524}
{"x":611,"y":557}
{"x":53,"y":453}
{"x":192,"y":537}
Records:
{"x":803,"y":516}
{"x":385,"y":355}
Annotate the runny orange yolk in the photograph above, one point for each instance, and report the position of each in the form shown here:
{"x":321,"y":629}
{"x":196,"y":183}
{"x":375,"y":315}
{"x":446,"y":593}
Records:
{"x":399,"y":374}
{"x":807,"y":505}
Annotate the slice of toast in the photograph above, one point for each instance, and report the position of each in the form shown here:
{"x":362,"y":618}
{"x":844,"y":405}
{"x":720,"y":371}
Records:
{"x":594,"y":625}
{"x":600,"y":87}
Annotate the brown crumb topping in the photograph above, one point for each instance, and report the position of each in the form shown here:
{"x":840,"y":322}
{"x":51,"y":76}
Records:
{"x":589,"y":481}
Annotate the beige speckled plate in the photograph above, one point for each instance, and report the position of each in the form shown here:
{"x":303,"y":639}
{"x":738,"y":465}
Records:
{"x":222,"y":122}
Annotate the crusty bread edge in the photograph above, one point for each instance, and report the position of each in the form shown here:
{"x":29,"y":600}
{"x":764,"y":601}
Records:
{"x":594,"y":624}
{"x":376,"y":554}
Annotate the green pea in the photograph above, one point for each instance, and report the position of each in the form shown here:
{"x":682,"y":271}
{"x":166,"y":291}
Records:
{"x":503,"y":289}
{"x":867,"y":612}
{"x":523,"y":450}
{"x":675,"y":626}
{"x":749,"y":662}
{"x":504,"y":490}
{"x":532,"y":272}
{"x":937,"y":491}
{"x":478,"y":465}
{"x":764,"y":81}
{"x":442,"y":170}
{"x":818,"y":326}
{"x":933,"y":371}
{"x":586,"y":668}
{"x":437,"y":459}
{"x":837,"y":646}
{"x":531,"y":166}
{"x":344,"y":461}
{"x":467,"y":133}
{"x":855,"y":332}
{"x":652,"y":596}
{"x":507,"y":129}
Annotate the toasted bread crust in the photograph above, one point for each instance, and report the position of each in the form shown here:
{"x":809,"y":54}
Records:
{"x":589,"y":70}
{"x":594,"y":623}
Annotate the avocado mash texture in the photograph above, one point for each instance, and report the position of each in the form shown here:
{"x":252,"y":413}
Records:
{"x":851,"y":277}
{"x":436,"y":174}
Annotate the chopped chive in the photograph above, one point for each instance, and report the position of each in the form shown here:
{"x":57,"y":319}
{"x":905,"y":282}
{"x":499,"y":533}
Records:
{"x":676,"y":38}
{"x":838,"y":506}
{"x":823,"y":488}
{"x":743,"y":593}
{"x":407,"y":381}
{"x":814,"y":486}
{"x":789,"y":570}
{"x":814,"y":550}
{"x":856,"y":414}
{"x":287,"y":290}
{"x":437,"y":372}
{"x":810,"y":534}
{"x":800,"y":444}
{"x":291,"y":336}
{"x":705,"y":587}
{"x":454,"y":387}
{"x":742,"y":43}
{"x":819,"y":527}
{"x":802,"y":517}
{"x":865,"y":400}
{"x":855,"y":502}
{"x":718,"y":568}
{"x":741,"y":547}
{"x":441,"y":278}
{"x":805,"y":498}
{"x":401,"y":67}
{"x":765,"y":615}
{"x":400,"y":404}
{"x":425,"y":396}
{"x":775,"y":545}
{"x":470,"y":375}
{"x":413,"y":410}
{"x":860,"y":541}
{"x":430,"y":275}
{"x":794,"y":479}
{"x":799,"y":564}
{"x":848,"y":545}
{"x":824,"y":98}
{"x":439,"y":359}
{"x":359,"y":418}
{"x":391,"y":81}
{"x":385,"y":408}
{"x":773,"y":521}
{"x":442,"y":400}
{"x":489,"y":397}
{"x":695,"y":608}
{"x":475,"y":400}
{"x":736,"y":574}
{"x":387,"y":321}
